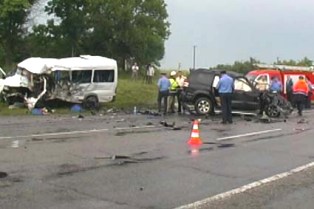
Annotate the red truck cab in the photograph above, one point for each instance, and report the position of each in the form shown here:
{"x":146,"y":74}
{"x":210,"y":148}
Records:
{"x":264,"y":74}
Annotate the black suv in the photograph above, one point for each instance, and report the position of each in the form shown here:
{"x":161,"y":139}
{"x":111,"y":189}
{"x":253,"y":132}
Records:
{"x":199,"y":90}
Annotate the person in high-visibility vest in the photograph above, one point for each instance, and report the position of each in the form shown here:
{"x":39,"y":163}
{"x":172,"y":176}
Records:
{"x":300,"y":92}
{"x":180,"y":80}
{"x":173,"y":91}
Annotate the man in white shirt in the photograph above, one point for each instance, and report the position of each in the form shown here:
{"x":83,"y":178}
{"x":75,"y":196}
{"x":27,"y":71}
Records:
{"x":150,"y":74}
{"x":135,"y":70}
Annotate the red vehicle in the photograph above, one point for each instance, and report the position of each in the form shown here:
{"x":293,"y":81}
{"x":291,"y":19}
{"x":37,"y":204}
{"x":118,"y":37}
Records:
{"x":262,"y":76}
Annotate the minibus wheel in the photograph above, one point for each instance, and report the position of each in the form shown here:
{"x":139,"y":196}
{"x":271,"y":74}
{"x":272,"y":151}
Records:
{"x":91,"y":102}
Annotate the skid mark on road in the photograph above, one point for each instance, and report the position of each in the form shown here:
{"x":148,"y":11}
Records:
{"x":247,"y":187}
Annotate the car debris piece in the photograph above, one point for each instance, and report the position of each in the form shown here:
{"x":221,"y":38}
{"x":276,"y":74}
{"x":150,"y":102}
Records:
{"x":302,"y":129}
{"x":111,"y":110}
{"x":173,"y":125}
{"x":302,"y":121}
{"x":148,"y":112}
{"x":3,"y":174}
{"x":265,"y":120}
{"x":164,"y":123}
{"x":246,"y":118}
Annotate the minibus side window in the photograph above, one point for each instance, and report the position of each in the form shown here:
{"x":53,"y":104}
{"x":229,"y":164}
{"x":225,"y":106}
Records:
{"x":81,"y":76}
{"x":101,"y":76}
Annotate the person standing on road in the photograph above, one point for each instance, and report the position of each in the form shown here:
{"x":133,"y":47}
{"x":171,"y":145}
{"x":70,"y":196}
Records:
{"x":275,"y":85}
{"x":173,"y":91}
{"x":309,"y":95}
{"x":225,"y":88}
{"x":135,"y":70}
{"x":300,"y":92}
{"x":289,"y":88}
{"x":180,"y":80}
{"x":163,"y":91}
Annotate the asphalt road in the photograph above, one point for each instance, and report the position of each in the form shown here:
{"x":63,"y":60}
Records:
{"x":124,"y":161}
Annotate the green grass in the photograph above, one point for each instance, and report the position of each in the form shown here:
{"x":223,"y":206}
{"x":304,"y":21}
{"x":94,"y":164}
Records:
{"x":129,"y":94}
{"x":4,"y":110}
{"x":135,"y":93}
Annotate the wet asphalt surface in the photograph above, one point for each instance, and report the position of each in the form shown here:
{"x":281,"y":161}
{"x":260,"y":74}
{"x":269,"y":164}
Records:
{"x":132,"y":161}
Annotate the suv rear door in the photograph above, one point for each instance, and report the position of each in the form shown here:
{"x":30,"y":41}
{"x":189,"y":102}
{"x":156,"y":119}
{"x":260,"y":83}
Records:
{"x":199,"y":83}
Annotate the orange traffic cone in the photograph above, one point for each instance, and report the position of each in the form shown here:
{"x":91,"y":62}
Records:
{"x":195,"y":139}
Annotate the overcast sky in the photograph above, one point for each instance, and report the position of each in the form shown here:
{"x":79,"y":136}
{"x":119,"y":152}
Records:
{"x":225,"y":31}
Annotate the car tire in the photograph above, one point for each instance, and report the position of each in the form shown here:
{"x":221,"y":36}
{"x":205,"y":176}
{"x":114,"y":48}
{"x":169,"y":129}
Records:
{"x":91,"y":103}
{"x":204,"y":106}
{"x":272,"y":111}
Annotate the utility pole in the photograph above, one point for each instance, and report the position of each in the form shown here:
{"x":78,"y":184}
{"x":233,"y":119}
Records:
{"x":179,"y":66}
{"x":194,"y":47}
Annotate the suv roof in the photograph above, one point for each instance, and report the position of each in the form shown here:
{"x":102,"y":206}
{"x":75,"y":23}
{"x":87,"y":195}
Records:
{"x":215,"y":71}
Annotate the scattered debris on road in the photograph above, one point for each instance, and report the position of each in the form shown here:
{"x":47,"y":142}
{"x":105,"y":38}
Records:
{"x":3,"y":174}
{"x":148,"y":112}
{"x":302,"y":121}
{"x":171,"y":125}
{"x":164,"y":123}
{"x":124,"y":159}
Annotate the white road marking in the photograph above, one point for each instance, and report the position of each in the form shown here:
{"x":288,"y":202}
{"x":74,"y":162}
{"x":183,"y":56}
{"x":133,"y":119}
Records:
{"x":73,"y":132}
{"x":56,"y":134}
{"x":248,"y":134}
{"x":246,"y":187}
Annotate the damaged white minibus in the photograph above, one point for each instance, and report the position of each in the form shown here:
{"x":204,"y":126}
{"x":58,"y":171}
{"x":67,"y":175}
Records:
{"x":86,"y":79}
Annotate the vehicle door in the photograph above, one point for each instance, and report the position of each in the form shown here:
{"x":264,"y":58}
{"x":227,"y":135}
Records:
{"x":82,"y":80}
{"x":262,"y":82}
{"x":2,"y":77}
{"x":104,"y":84}
{"x":215,"y":90}
{"x":245,"y":96}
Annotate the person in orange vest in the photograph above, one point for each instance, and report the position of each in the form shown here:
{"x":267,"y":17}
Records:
{"x":300,"y":91}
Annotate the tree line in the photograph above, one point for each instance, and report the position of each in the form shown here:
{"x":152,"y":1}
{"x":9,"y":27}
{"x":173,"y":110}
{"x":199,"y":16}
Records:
{"x":249,"y":65}
{"x":132,"y":30}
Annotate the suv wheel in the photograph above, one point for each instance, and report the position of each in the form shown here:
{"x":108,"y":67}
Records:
{"x":272,"y":111}
{"x":203,"y":106}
